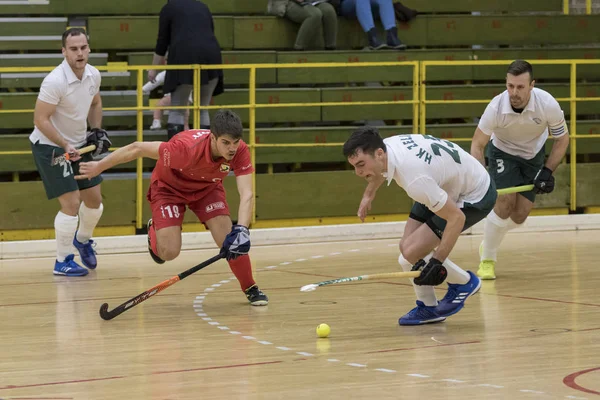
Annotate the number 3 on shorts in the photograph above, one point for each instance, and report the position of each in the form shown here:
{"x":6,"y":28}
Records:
{"x":500,"y":164}
{"x":170,"y":211}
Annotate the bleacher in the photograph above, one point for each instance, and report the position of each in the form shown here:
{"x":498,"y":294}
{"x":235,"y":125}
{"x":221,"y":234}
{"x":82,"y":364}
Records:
{"x":126,"y":32}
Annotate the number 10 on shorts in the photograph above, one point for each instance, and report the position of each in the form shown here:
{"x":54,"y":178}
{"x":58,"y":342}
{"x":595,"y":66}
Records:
{"x":170,"y":211}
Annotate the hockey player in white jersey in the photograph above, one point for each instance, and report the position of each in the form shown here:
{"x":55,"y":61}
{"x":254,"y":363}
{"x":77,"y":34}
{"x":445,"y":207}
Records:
{"x":517,"y":124}
{"x":452,"y":192}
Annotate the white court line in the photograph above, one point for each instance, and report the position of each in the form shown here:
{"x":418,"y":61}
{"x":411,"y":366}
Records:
{"x":356,"y":365}
{"x":198,"y":303}
{"x":337,"y":253}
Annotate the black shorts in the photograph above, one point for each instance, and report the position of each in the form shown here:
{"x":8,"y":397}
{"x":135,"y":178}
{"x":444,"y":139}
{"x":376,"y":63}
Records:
{"x":473,"y":212}
{"x":60,"y":178}
{"x":509,"y":171}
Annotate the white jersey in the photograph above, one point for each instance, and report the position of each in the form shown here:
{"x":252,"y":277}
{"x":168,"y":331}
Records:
{"x":72,"y":98}
{"x":523,"y":134}
{"x":433,"y":170}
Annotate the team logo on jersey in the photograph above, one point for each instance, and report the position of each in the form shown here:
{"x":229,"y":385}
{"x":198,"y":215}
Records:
{"x":219,"y":205}
{"x":537,"y":120}
{"x":224,"y":168}
{"x":92,"y":90}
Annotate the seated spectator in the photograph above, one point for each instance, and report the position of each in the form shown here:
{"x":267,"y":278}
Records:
{"x":311,"y":15}
{"x":364,"y":10}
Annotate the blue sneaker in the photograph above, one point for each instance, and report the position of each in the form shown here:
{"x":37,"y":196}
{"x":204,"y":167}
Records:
{"x":454,"y":300}
{"x":421,"y":314}
{"x":86,"y":252}
{"x":69,"y":267}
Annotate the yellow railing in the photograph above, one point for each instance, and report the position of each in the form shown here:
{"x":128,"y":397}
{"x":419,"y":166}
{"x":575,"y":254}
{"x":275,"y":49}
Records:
{"x":588,"y":6}
{"x":251,"y":106}
{"x":572,"y":99}
{"x":419,"y":102}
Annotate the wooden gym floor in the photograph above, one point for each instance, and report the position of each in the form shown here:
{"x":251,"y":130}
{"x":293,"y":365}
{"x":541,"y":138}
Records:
{"x":531,"y":334}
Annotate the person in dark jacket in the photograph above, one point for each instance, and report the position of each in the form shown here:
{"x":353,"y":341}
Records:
{"x":186,"y":31}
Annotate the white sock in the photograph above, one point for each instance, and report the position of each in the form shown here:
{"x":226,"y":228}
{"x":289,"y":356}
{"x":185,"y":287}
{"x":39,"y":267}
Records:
{"x":493,"y":232}
{"x":88,"y":219}
{"x":426,"y":294}
{"x":64,"y":228}
{"x":455,"y":273}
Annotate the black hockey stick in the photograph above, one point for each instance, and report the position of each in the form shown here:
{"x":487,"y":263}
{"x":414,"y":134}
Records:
{"x":108,"y":315}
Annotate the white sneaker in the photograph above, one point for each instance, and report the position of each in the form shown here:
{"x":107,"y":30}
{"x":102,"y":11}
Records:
{"x":155,"y":124}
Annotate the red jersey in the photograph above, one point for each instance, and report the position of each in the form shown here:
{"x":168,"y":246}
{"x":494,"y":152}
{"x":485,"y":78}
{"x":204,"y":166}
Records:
{"x":186,"y":166}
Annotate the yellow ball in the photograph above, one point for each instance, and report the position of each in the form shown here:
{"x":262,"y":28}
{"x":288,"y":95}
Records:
{"x":323,"y":330}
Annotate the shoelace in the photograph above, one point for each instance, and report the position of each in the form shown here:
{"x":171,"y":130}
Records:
{"x":89,"y":247}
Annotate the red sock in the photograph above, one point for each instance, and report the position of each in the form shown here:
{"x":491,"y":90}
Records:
{"x":242,"y":269}
{"x":153,"y":245}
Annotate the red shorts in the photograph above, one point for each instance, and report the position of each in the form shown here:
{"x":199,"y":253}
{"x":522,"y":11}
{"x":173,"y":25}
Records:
{"x":168,"y":208}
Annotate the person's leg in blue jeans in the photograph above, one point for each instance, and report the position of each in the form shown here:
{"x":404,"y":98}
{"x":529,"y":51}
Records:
{"x":388,"y":20}
{"x":364,"y":10}
{"x":361,"y":10}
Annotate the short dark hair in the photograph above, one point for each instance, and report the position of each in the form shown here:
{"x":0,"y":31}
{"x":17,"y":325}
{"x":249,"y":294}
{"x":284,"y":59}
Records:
{"x":519,"y":67}
{"x":226,"y":122}
{"x":73,"y":32}
{"x":365,"y":138}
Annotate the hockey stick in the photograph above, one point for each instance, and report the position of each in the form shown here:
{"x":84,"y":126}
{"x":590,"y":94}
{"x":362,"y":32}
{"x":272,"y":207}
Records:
{"x":516,"y":189}
{"x":406,"y":274}
{"x":108,"y":315}
{"x":67,"y":156}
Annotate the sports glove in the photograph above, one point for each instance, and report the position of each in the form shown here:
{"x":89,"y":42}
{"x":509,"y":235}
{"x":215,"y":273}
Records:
{"x":433,"y":273}
{"x":544,"y":181}
{"x":236,"y":243}
{"x":99,"y":137}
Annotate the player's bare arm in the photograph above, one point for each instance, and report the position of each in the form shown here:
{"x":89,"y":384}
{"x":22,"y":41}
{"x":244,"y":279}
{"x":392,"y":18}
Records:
{"x":369,"y":196}
{"x":123,"y":155}
{"x":480,"y":140}
{"x":95,"y":114}
{"x":559,"y":149}
{"x":455,"y":221}
{"x":244,"y":186}
{"x":41,"y":118}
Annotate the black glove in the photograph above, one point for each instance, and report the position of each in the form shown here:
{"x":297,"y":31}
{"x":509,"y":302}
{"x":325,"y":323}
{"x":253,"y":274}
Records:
{"x":99,"y":137}
{"x":544,"y":181}
{"x":236,"y":243}
{"x":432,"y":274}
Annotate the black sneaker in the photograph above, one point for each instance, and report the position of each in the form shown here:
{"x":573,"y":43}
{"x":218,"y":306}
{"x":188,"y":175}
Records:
{"x":256,"y":297}
{"x":156,"y":258}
